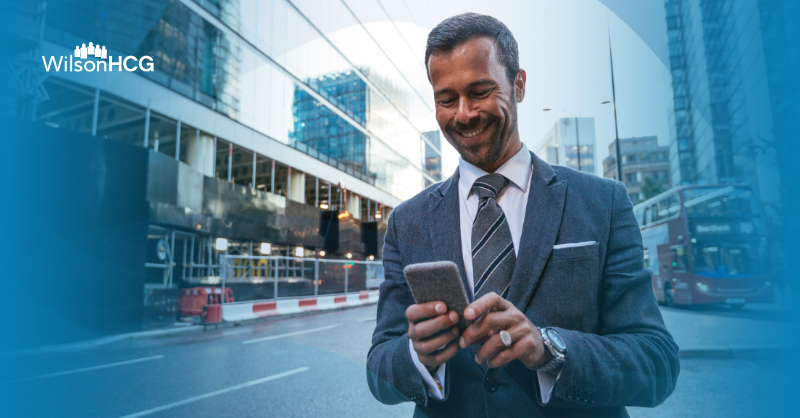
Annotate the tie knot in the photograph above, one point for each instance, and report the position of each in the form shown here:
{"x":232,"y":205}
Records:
{"x":489,"y":185}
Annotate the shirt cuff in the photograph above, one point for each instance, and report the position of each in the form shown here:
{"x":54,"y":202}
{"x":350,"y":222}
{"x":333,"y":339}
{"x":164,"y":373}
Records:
{"x":426,"y":375}
{"x":546,"y":383}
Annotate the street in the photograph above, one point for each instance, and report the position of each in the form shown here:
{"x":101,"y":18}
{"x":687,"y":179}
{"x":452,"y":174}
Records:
{"x":312,"y":366}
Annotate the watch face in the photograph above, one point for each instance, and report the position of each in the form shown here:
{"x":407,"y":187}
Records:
{"x":557,"y":342}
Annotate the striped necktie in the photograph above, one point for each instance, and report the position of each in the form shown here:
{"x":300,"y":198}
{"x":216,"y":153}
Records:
{"x":493,"y":256}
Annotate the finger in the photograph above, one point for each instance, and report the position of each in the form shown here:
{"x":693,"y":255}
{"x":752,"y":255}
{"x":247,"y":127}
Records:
{"x":439,"y":357}
{"x":488,"y":323}
{"x":436,"y":342}
{"x":489,"y":301}
{"x":421,"y":311}
{"x":517,"y":351}
{"x":494,"y":345}
{"x":427,"y":328}
{"x":490,"y":348}
{"x":527,"y":350}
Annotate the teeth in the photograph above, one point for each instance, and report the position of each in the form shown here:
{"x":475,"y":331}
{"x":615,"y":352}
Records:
{"x":470,"y":135}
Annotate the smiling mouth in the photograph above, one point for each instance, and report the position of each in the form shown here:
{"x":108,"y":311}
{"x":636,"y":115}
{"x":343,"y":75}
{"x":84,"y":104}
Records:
{"x":475,"y":133}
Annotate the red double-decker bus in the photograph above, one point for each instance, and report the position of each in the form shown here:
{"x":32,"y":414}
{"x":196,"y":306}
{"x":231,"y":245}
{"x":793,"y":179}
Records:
{"x":706,"y":245}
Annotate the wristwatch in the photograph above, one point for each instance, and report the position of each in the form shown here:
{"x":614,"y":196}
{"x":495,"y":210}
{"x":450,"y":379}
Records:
{"x":553,"y":342}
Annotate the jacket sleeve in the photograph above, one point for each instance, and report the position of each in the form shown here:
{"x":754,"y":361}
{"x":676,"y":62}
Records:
{"x":633,"y":360}
{"x":391,"y":373}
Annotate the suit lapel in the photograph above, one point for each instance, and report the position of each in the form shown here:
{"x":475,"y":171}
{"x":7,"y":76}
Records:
{"x":539,"y":231}
{"x":445,"y":226}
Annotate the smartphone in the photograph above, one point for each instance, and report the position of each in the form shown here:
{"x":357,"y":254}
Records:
{"x":439,"y":281}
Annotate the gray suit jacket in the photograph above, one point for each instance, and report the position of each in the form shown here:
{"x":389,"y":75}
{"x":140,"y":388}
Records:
{"x":599,"y":298}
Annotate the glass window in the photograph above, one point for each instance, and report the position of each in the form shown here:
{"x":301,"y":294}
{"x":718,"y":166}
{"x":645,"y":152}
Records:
{"x":720,"y":201}
{"x":720,"y":259}
{"x":673,"y":205}
{"x":663,"y":209}
{"x":639,"y":213}
{"x":655,"y":214}
{"x":673,"y":22}
{"x":248,"y":84}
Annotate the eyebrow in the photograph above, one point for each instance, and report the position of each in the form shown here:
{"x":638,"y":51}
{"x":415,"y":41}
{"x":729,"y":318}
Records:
{"x":473,"y":84}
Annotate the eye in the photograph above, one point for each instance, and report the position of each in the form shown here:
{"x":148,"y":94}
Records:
{"x":483,"y":93}
{"x":446,"y":102}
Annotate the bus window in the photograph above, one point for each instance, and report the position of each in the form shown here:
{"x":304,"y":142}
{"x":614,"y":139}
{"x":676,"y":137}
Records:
{"x":725,"y":258}
{"x":679,"y":258}
{"x":654,"y":215}
{"x":674,"y":205}
{"x":720,"y":201}
{"x":639,"y":213}
{"x":663,"y":209}
{"x":646,"y":259}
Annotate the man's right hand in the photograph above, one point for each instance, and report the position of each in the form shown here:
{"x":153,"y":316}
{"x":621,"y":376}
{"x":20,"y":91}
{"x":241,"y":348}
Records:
{"x":432,"y":330}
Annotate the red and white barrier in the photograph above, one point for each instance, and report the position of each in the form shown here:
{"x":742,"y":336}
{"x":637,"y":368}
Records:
{"x":251,"y":310}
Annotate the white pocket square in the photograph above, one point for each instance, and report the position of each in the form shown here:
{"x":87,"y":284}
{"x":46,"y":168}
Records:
{"x":576,"y":244}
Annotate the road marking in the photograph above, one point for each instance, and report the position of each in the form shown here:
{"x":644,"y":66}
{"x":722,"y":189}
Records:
{"x":87,"y":369}
{"x":217,"y":392}
{"x":291,"y":334}
{"x":368,"y":319}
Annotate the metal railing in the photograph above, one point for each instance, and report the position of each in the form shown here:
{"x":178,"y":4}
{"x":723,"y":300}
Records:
{"x":291,"y":277}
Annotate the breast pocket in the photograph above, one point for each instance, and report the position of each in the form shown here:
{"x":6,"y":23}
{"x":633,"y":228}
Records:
{"x":567,"y":295}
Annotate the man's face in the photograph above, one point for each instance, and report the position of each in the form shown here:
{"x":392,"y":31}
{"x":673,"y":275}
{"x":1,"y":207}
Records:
{"x":476,"y":105}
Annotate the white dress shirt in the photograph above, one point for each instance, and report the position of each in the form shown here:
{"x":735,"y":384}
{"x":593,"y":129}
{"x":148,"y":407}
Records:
{"x":513,"y":200}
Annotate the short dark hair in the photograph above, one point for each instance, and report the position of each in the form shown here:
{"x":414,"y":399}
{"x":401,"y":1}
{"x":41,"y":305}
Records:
{"x":456,"y":30}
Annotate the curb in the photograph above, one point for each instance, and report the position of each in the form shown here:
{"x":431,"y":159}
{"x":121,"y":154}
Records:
{"x":253,"y":321}
{"x":733,"y":352}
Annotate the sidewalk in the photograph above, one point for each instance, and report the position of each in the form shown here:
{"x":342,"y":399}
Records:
{"x":702,"y":334}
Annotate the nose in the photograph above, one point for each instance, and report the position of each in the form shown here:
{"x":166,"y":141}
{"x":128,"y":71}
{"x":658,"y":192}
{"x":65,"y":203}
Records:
{"x":466,"y":111}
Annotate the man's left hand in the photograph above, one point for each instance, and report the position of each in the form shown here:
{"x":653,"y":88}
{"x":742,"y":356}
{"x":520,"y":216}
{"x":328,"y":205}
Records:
{"x":500,"y":314}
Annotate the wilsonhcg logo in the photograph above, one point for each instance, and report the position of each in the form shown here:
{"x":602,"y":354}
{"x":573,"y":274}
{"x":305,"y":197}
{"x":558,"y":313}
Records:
{"x":88,"y":53}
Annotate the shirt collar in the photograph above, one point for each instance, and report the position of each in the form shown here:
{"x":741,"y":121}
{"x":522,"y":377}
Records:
{"x":517,"y":170}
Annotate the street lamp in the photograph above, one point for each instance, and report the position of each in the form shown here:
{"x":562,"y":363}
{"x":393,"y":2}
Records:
{"x":614,"y":98}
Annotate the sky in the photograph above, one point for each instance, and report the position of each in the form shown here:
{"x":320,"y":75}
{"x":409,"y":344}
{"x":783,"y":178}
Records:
{"x":564,"y":48}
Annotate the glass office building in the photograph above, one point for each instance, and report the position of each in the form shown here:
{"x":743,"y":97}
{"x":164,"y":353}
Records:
{"x":296,"y":123}
{"x":720,"y":113}
{"x":307,"y":74}
{"x":733,"y":119}
{"x":570,"y":142}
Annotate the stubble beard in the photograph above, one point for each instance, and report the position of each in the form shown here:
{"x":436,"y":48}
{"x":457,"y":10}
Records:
{"x":496,"y":146}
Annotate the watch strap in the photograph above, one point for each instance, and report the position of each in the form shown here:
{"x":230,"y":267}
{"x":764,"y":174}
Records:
{"x":558,"y":358}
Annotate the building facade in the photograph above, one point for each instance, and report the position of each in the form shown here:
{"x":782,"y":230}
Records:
{"x":645,"y":166}
{"x":733,"y":118}
{"x":294,"y":123}
{"x":720,"y":116}
{"x":570,"y":142}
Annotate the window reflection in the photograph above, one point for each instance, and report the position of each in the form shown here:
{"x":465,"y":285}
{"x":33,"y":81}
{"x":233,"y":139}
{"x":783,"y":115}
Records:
{"x":320,"y":129}
{"x":381,"y":90}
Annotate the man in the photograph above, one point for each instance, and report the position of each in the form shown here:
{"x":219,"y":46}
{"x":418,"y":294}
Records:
{"x":567,"y":323}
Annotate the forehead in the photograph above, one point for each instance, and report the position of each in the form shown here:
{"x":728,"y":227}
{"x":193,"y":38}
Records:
{"x":476,"y":58}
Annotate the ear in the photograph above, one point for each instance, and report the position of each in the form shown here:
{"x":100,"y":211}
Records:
{"x":519,"y":85}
